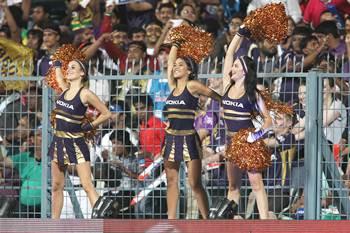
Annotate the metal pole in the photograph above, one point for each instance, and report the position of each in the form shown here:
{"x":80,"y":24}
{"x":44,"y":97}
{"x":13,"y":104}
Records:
{"x":44,"y":150}
{"x":311,"y":191}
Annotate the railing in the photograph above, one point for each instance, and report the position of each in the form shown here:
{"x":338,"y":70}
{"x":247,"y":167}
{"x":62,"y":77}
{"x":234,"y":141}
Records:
{"x":319,"y":164}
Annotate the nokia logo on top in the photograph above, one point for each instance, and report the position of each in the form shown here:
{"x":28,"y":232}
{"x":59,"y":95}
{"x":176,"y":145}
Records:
{"x":175,"y":102}
{"x":63,"y":104}
{"x":231,"y":103}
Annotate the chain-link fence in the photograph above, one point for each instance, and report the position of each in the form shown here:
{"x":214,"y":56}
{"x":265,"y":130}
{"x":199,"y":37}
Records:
{"x":309,"y":150}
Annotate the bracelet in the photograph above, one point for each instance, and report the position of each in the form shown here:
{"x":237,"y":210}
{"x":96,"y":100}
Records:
{"x":177,"y":44}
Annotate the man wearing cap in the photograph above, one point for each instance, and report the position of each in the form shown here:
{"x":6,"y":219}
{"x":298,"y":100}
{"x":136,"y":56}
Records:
{"x":51,"y":41}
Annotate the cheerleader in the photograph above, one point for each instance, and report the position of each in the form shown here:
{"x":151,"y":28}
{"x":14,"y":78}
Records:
{"x":69,"y":145}
{"x":182,"y":142}
{"x":241,"y":98}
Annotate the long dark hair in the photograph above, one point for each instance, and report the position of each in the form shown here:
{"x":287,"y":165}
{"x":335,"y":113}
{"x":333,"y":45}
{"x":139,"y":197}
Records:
{"x":250,"y":80}
{"x":192,"y":66}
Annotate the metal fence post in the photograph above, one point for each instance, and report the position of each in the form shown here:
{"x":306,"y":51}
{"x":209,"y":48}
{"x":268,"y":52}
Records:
{"x":312,"y":160}
{"x":44,"y":150}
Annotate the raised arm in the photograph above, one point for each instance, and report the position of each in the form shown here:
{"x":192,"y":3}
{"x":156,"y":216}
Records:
{"x":197,"y":88}
{"x":92,"y":49}
{"x":171,"y":61}
{"x":162,"y":37}
{"x":59,"y":76}
{"x":11,"y":22}
{"x":234,"y":46}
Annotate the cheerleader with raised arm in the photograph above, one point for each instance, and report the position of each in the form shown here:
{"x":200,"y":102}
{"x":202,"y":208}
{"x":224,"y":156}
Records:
{"x":69,"y":146}
{"x":182,"y":142}
{"x":240,"y":100}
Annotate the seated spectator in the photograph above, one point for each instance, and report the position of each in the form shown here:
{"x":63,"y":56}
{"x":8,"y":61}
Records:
{"x":28,"y":163}
{"x":151,"y":129}
{"x":282,"y":143}
{"x":120,"y":120}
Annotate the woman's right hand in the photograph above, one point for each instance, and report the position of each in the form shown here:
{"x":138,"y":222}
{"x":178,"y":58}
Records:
{"x":243,"y":31}
{"x":57,"y":64}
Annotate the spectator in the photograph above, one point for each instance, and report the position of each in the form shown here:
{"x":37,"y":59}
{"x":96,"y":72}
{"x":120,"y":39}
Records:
{"x":335,"y":45}
{"x":165,"y":12}
{"x":28,"y":163}
{"x":265,"y":52}
{"x":334,"y":113}
{"x":326,"y":15}
{"x":299,"y":33}
{"x":51,"y":42}
{"x":40,"y":17}
{"x":119,"y":161}
{"x":136,"y":62}
{"x":119,"y":120}
{"x":158,"y":88}
{"x":138,"y":34}
{"x":282,"y":141}
{"x":187,"y":12}
{"x":223,"y":41}
{"x":34,"y":41}
{"x":153,"y":32}
{"x":288,"y":41}
{"x":314,"y":9}
{"x":151,"y":134}
{"x":82,"y":16}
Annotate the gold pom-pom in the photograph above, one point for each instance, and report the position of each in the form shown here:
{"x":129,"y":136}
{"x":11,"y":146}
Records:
{"x":65,"y":54}
{"x":195,"y":43}
{"x":275,"y":105}
{"x":248,"y":156}
{"x":269,"y":22}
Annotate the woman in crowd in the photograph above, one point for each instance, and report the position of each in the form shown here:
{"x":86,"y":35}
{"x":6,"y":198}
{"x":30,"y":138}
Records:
{"x":241,"y":98}
{"x":69,"y":142}
{"x":182,"y":142}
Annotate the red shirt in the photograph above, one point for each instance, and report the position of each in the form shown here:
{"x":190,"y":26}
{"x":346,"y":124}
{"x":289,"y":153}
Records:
{"x":314,"y":9}
{"x":151,"y":137}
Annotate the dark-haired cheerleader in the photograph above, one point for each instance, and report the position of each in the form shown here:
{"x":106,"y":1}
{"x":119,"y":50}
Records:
{"x":181,"y":141}
{"x":69,"y":142}
{"x":241,"y":98}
